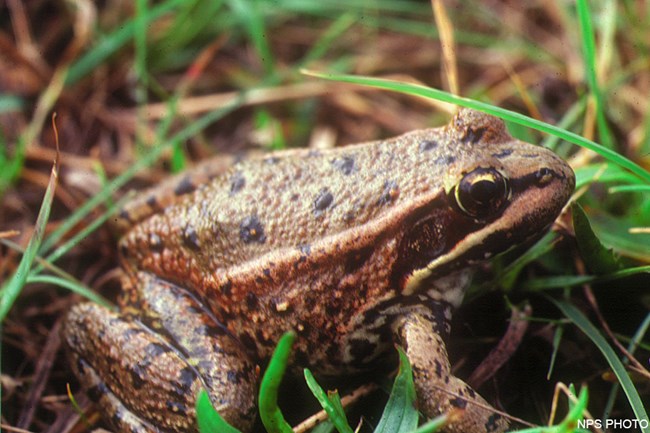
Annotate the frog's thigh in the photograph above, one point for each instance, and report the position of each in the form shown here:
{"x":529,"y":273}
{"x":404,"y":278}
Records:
{"x":229,"y":374}
{"x":144,"y":384}
{"x":437,"y":389}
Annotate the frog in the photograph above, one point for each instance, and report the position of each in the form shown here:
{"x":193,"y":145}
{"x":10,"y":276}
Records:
{"x":355,"y":249}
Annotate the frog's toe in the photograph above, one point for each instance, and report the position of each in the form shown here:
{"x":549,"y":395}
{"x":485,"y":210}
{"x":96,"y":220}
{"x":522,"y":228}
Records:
{"x":118,"y":415}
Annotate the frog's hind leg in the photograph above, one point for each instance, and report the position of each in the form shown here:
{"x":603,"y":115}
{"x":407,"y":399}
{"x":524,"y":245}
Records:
{"x":438,"y":390}
{"x":146,"y":371}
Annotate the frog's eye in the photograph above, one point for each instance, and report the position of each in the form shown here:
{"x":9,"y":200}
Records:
{"x":482,"y":192}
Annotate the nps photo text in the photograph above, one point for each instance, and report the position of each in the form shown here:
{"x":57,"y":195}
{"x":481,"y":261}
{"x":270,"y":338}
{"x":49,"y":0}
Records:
{"x":614,"y":423}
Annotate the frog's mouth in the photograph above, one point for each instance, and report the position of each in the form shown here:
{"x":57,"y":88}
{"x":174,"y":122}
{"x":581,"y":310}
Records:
{"x":463,"y":241}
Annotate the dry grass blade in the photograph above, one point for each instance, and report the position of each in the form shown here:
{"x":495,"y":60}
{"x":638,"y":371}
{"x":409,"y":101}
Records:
{"x":13,"y":287}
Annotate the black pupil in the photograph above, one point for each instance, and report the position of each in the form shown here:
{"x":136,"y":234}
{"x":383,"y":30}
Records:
{"x":484,"y":191}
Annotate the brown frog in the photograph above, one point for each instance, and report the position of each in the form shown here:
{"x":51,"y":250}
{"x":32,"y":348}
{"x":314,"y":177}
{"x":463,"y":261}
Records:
{"x":354,"y":248}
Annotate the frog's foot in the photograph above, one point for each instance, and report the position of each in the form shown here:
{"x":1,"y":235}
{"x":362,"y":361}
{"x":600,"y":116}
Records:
{"x":145,"y":372}
{"x":437,"y":389}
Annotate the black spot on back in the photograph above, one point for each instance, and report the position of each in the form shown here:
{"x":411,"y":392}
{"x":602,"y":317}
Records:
{"x":251,"y":230}
{"x":458,"y":402}
{"x":124,"y":214}
{"x":344,"y":164}
{"x":438,"y":368}
{"x":191,"y":238}
{"x":426,"y":145}
{"x":491,"y":424}
{"x":503,"y":153}
{"x":323,"y":200}
{"x":152,"y":202}
{"x":237,"y":182}
{"x":389,"y":194}
{"x":185,"y":186}
{"x":445,"y":160}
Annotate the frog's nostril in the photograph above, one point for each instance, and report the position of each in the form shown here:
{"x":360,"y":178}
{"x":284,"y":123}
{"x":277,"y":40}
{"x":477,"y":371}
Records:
{"x":543,"y":176}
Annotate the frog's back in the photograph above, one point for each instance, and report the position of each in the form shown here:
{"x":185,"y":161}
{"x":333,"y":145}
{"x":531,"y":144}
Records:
{"x":345,"y":229}
{"x":291,"y":199}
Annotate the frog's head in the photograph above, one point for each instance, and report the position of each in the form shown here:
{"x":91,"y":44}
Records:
{"x":499,"y":193}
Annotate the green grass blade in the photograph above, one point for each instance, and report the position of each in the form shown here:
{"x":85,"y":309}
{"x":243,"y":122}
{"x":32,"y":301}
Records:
{"x":570,"y":422}
{"x":433,"y":425}
{"x":114,"y":41}
{"x":637,"y":338}
{"x":270,"y":413}
{"x":614,"y":362}
{"x":511,"y":116}
{"x":508,"y":276}
{"x":249,"y":14}
{"x":208,"y":418}
{"x":140,"y":63}
{"x":324,"y":427}
{"x":589,"y":47}
{"x":604,"y":173}
{"x":330,"y":403}
{"x":12,"y":288}
{"x":576,"y":280}
{"x":599,"y":260}
{"x":557,"y":339}
{"x":629,"y":188}
{"x":335,"y":31}
{"x":10,"y":166}
{"x":400,"y":414}
{"x":72,"y":285}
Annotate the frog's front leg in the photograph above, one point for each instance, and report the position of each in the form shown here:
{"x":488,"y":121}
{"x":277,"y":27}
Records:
{"x":438,"y":390}
{"x":146,"y":370}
